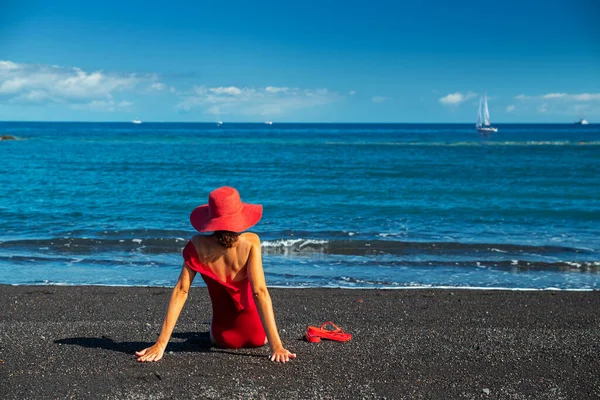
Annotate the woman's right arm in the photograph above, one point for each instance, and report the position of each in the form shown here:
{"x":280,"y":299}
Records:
{"x":262,"y":299}
{"x":178,"y":298}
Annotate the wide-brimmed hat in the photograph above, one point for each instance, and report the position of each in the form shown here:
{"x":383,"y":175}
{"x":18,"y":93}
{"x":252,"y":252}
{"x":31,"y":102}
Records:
{"x":225,"y":212}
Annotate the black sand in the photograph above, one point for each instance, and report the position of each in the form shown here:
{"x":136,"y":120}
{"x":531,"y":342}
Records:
{"x":78,"y":342}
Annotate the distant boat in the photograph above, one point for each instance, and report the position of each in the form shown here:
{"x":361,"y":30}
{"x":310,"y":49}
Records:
{"x":137,"y":121}
{"x":582,"y":121}
{"x":269,"y":122}
{"x":484,"y":127}
{"x":219,"y":123}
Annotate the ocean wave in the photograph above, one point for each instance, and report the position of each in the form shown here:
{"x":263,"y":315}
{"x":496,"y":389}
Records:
{"x":125,"y":233}
{"x":395,"y":247}
{"x":7,"y":137}
{"x":298,"y":244}
{"x":290,"y":246}
{"x":471,"y":143}
{"x":70,"y":245}
{"x":348,"y":264}
{"x":330,"y":285}
{"x":87,"y":260}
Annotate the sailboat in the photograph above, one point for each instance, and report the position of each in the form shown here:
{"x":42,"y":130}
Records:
{"x":486,"y":127}
{"x":137,"y":121}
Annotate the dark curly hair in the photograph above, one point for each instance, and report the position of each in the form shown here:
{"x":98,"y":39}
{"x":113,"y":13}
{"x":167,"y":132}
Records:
{"x":226,"y":238}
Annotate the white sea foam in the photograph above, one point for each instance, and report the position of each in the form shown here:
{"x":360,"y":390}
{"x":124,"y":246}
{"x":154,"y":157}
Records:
{"x":137,"y":240}
{"x":281,"y":243}
{"x":573,"y":264}
{"x":415,"y":287}
{"x":300,"y":243}
{"x":499,"y":251}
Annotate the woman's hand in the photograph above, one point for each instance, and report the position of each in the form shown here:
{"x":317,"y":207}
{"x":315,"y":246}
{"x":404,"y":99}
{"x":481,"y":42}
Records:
{"x":151,"y":354}
{"x":282,"y":355}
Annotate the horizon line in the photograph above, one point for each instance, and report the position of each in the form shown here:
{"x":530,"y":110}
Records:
{"x":286,"y":122}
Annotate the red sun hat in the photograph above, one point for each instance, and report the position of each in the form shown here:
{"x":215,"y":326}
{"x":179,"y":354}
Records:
{"x":225,"y":212}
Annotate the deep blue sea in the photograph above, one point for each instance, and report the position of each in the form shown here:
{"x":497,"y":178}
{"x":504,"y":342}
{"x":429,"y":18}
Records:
{"x":345,"y":205}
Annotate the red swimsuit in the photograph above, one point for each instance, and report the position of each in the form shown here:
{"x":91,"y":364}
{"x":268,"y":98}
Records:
{"x":236,"y":322}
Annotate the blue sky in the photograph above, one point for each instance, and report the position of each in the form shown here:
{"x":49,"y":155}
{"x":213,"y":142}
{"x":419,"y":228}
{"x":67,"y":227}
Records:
{"x":309,"y":61}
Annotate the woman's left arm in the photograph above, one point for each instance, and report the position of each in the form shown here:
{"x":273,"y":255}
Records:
{"x":178,"y":298}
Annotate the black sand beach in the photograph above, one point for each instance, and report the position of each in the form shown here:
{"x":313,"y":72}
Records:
{"x":78,"y":342}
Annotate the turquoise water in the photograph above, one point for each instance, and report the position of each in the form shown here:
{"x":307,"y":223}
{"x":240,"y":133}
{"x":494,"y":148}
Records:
{"x":345,"y":205}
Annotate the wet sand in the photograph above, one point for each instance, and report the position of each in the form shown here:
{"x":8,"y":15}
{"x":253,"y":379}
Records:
{"x":78,"y":342}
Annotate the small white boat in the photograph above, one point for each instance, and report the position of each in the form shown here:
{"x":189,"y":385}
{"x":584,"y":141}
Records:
{"x":269,"y":122}
{"x":486,"y":126}
{"x":137,"y":121}
{"x":582,"y":121}
{"x":219,"y":123}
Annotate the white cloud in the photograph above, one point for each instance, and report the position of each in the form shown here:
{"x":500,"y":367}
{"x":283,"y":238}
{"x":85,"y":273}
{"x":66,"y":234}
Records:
{"x":352,"y":92}
{"x":586,"y":96}
{"x":158,"y":86}
{"x":455,"y":99}
{"x":34,"y":83}
{"x":379,"y":99}
{"x":7,"y":65}
{"x":155,"y":85}
{"x":274,"y":89}
{"x":215,"y":110}
{"x":563,"y":103}
{"x":104,"y":106}
{"x":554,"y":95}
{"x":33,"y":96}
{"x":511,"y":108}
{"x":267,"y":101}
{"x":561,"y":96}
{"x":230,"y":90}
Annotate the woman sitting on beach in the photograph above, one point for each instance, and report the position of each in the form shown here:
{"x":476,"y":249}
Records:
{"x":231,"y":265}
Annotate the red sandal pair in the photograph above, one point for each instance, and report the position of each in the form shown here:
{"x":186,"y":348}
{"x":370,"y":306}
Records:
{"x":314,"y":334}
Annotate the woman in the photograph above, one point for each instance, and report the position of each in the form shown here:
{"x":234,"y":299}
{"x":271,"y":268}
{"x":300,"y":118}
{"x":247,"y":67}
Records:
{"x":231,"y":265}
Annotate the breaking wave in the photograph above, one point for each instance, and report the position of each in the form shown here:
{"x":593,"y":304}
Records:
{"x":350,"y":247}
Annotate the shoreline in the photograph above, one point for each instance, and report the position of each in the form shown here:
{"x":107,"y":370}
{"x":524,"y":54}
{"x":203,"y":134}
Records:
{"x":441,"y":288}
{"x":78,"y":342}
{"x":468,"y":288}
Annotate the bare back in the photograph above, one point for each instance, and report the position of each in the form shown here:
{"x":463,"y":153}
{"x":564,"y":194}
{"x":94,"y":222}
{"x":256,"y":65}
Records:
{"x":227,"y":264}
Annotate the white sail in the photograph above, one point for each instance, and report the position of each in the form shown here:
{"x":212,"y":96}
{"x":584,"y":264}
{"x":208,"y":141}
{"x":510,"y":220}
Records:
{"x":486,"y":112}
{"x":478,"y":123}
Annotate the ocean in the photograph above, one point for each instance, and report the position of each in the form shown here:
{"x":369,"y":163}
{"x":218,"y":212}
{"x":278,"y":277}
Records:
{"x":345,"y":205}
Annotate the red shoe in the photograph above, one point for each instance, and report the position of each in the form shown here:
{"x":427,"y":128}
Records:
{"x":314,"y":334}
